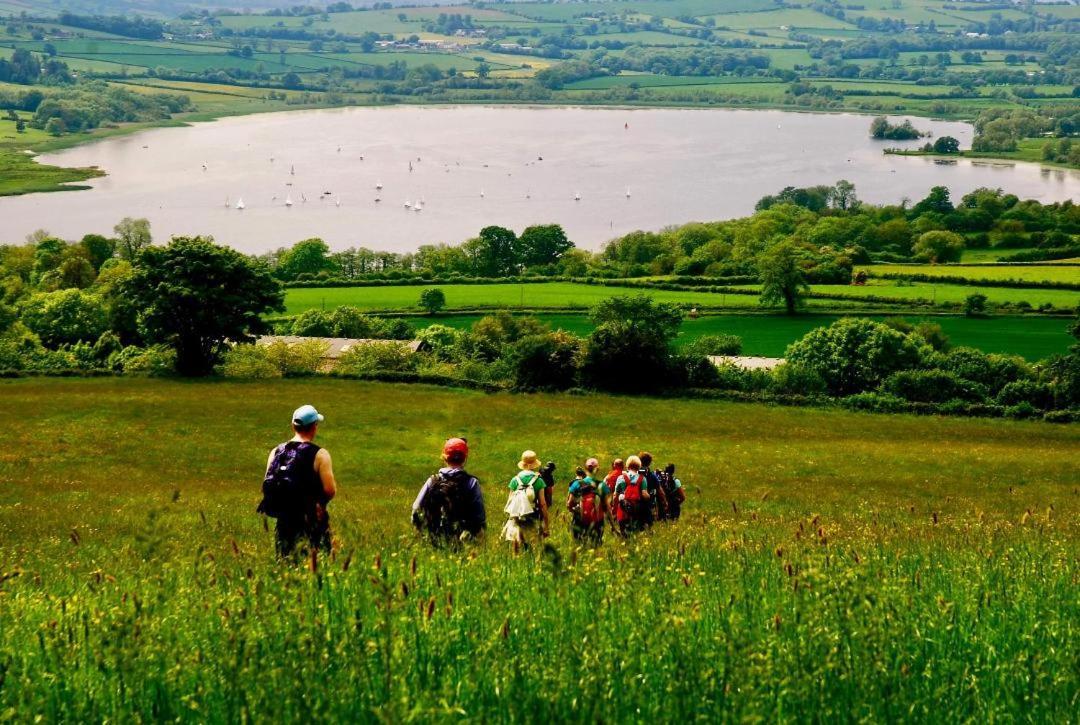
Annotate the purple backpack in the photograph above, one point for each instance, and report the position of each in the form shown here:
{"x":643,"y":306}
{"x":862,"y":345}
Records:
{"x":288,"y":488}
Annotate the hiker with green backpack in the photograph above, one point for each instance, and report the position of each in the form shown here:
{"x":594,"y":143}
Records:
{"x":588,"y":504}
{"x":526,"y":505}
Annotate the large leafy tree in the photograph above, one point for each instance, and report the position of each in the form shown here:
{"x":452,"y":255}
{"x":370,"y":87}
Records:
{"x":542,"y":245}
{"x":65,"y":316}
{"x":938,"y":246}
{"x":310,"y":256}
{"x":630,"y":349}
{"x":852,"y":355}
{"x":782,"y":280}
{"x":132,"y":236}
{"x":494,"y":252}
{"x":197,"y":296}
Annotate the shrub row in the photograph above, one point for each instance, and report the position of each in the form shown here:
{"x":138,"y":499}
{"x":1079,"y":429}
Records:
{"x":968,"y":281}
{"x":1042,"y":255}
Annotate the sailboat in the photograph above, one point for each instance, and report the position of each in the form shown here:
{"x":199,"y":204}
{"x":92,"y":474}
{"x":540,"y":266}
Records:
{"x":292,"y":171}
{"x":240,"y":204}
{"x":378,"y":185}
{"x":227,"y":204}
{"x":337,"y":201}
{"x":288,"y":200}
{"x":577,"y":196}
{"x":628,"y":192}
{"x":408,"y":205}
{"x":481,"y":193}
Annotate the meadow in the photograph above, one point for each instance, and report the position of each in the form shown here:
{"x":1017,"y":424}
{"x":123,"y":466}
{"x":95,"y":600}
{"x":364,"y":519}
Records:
{"x":1027,"y":273}
{"x":1033,"y":338}
{"x":570,"y":295}
{"x":829,"y":565}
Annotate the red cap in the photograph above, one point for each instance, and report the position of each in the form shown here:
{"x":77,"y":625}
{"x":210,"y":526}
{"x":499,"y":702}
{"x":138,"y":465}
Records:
{"x":455,"y":446}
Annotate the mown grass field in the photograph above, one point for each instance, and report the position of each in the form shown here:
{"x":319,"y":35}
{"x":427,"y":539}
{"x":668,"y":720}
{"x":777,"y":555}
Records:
{"x":1033,"y":338}
{"x":569,"y":294}
{"x":1026,"y":273}
{"x":555,"y":294}
{"x":845,"y":565}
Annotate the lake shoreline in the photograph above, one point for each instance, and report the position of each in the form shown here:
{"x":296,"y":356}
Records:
{"x":197,"y":117}
{"x":596,"y":155}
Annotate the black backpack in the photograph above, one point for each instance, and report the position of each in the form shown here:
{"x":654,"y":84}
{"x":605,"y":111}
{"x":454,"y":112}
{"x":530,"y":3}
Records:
{"x":439,"y":509}
{"x":287,"y":487}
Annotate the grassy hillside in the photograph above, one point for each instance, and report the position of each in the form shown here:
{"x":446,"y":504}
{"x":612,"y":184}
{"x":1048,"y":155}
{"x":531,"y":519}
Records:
{"x":828,"y":562}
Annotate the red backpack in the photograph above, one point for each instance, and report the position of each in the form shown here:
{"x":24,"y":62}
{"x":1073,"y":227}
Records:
{"x":591,"y":514}
{"x":631,"y":498}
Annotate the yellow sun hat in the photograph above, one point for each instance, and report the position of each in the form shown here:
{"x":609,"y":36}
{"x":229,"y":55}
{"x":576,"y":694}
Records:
{"x":529,"y":461}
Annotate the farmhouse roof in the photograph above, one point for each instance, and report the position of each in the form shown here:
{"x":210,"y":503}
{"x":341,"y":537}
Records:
{"x":746,"y":362}
{"x":338,"y":346}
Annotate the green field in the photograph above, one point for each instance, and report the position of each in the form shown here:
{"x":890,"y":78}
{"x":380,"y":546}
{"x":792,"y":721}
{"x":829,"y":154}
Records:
{"x":574,"y":295}
{"x":1033,"y":337}
{"x":1026,"y":272}
{"x":529,"y":296}
{"x":893,"y":567}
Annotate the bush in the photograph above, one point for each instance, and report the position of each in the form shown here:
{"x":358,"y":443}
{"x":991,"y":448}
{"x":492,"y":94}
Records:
{"x":938,"y":246}
{"x":1062,"y":416}
{"x":378,"y":357}
{"x":248,"y":361}
{"x":1037,"y":394}
{"x":876,"y":403}
{"x":1062,"y":374}
{"x":156,"y":361}
{"x":442,"y":339}
{"x":788,"y":379}
{"x":991,"y":370}
{"x":65,"y":317}
{"x":975,"y":305}
{"x":733,"y":377}
{"x":932,"y":386}
{"x":697,"y":371}
{"x":707,"y":345}
{"x":547,"y":362}
{"x":1021,"y":411}
{"x":622,"y":357}
{"x":853,"y":355}
{"x":312,"y":323}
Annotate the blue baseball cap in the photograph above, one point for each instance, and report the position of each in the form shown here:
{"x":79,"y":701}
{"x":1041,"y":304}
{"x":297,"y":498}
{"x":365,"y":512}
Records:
{"x":306,"y":415}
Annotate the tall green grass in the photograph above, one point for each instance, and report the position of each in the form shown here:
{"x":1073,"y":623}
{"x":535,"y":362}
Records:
{"x":829,"y":566}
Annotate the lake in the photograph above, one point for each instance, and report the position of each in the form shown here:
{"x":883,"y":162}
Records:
{"x":598,"y":172}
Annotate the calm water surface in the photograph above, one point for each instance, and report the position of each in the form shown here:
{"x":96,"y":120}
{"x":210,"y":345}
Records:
{"x":474,"y":166}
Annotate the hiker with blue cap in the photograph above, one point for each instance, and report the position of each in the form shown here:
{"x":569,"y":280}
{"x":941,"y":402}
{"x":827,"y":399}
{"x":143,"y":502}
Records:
{"x":298,"y":485}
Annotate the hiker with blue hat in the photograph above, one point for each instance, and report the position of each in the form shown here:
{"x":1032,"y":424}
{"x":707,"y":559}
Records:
{"x":298,"y":485}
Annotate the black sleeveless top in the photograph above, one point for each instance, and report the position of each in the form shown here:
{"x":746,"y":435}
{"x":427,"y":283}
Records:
{"x":304,"y":466}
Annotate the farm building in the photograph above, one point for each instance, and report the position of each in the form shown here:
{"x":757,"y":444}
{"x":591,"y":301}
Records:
{"x":338,"y":346}
{"x":746,"y":362}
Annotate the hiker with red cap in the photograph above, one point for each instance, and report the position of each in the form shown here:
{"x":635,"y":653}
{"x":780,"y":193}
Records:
{"x":298,"y":484}
{"x":450,"y":506}
{"x":588,"y":503}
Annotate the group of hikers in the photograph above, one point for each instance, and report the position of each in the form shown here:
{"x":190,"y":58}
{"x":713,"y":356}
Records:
{"x":299,"y":484}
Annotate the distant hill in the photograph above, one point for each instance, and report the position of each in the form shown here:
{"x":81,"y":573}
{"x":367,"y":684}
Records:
{"x":168,"y":8}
